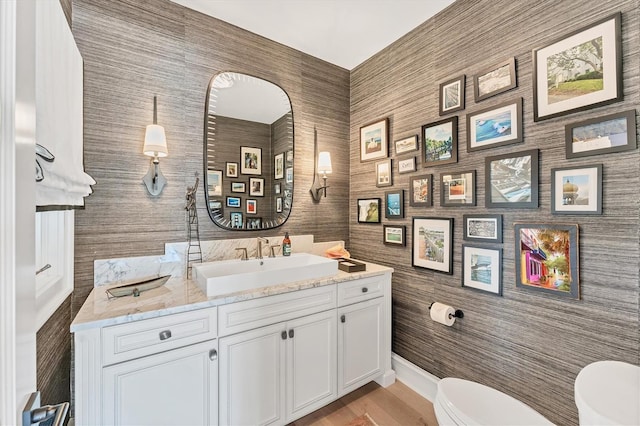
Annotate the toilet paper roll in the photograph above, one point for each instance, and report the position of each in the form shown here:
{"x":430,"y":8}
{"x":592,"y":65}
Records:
{"x":443,"y":314}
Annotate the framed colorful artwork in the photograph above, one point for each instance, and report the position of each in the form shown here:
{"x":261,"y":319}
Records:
{"x":420,"y":192}
{"x":251,"y":160}
{"x":496,"y":126}
{"x":482,"y":268}
{"x":394,"y":235}
{"x":458,"y":189}
{"x":433,"y":244}
{"x":440,"y":142}
{"x":374,"y":140}
{"x":577,"y":190}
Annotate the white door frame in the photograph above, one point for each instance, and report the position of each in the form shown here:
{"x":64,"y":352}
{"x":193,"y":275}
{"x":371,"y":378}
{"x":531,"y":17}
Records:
{"x":17,"y":207}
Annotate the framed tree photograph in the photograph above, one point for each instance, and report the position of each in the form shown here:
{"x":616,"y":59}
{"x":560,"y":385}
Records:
{"x":278,"y":166}
{"x":458,"y":189}
{"x":452,"y":95}
{"x":496,"y":126}
{"x":482,"y":268}
{"x":494,"y":80}
{"x":235,"y":202}
{"x":482,"y":228}
{"x":236,"y":220}
{"x":394,"y":235}
{"x":433,"y":244}
{"x":238,"y":187}
{"x":577,"y":190}
{"x":369,"y":210}
{"x":394,"y":204}
{"x":440,"y":142}
{"x":420,"y":192}
{"x":251,"y":160}
{"x":383,"y":173}
{"x":252,"y":206}
{"x":602,"y":135}
{"x":232,"y":169}
{"x":547,"y":258}
{"x":214,"y":183}
{"x":579,"y":71}
{"x":256,"y":187}
{"x":512,"y":180}
{"x":407,"y":165}
{"x":374,"y":140}
{"x":407,"y":144}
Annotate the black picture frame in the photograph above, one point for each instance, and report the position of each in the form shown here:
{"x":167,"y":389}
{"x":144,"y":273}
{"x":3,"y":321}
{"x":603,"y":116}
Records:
{"x":374,"y":140}
{"x":482,"y":268}
{"x":602,"y":135}
{"x":452,"y":93}
{"x":234,"y":202}
{"x":436,"y":152}
{"x":511,"y":180}
{"x":432,"y":244}
{"x":394,"y":204}
{"x":458,"y":189}
{"x":238,"y":187}
{"x":256,"y":187}
{"x":408,"y":144}
{"x":250,"y":160}
{"x":496,"y":126}
{"x":421,"y":191}
{"x":369,"y":210}
{"x":495,"y":79}
{"x":576,"y":190}
{"x":486,"y":228}
{"x":406,"y":165}
{"x":384,"y":173}
{"x":394,"y":235}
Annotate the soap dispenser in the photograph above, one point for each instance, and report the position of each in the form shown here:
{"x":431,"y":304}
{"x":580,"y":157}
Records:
{"x":286,"y":245}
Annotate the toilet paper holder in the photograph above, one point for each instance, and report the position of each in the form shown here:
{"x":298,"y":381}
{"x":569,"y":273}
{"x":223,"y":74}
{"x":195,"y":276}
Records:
{"x":457,"y":314}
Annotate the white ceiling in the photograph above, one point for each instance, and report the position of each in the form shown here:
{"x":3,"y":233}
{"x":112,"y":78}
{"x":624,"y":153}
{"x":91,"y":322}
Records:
{"x":342,"y":32}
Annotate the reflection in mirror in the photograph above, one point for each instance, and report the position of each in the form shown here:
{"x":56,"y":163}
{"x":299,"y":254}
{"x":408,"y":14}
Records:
{"x":248,"y":152}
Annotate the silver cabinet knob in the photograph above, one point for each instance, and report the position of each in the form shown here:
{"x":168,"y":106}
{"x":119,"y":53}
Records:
{"x":364,"y":289}
{"x":343,"y":318}
{"x":213,"y":354}
{"x":166,"y":334}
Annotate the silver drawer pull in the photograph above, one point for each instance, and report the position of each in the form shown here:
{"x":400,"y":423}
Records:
{"x":364,"y":289}
{"x":166,"y":334}
{"x":213,"y":354}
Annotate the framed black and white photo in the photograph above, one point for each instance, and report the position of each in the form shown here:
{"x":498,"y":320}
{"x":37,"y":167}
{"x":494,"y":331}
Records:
{"x":251,"y":160}
{"x":254,"y":223}
{"x":369,"y":210}
{"x":234,"y":202}
{"x":256,"y":187}
{"x":433,"y":244}
{"x":278,"y":166}
{"x":383,"y":173}
{"x":374,"y":140}
{"x":278,"y":204}
{"x":482,"y":268}
{"x":407,"y":144}
{"x":407,"y":165}
{"x":420,"y":191}
{"x":458,"y":189}
{"x":238,"y":187}
{"x":579,"y":71}
{"x":577,"y":190}
{"x":440,"y":142}
{"x":496,"y":126}
{"x":394,"y":235}
{"x":494,"y":80}
{"x":232,"y":169}
{"x":452,"y":95}
{"x":482,"y":228}
{"x":214,"y":183}
{"x":602,"y":135}
{"x":512,"y":180}
{"x":394,"y":204}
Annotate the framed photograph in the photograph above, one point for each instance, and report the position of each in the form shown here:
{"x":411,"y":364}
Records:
{"x":512,"y":180}
{"x":236,"y":220}
{"x":452,"y":95}
{"x":482,"y":268}
{"x":214,"y":183}
{"x":254,"y":223}
{"x":278,"y":204}
{"x":394,"y":204}
{"x":577,"y":190}
{"x":234,"y":202}
{"x":368,"y":210}
{"x":602,"y":135}
{"x":374,"y":139}
{"x":383,"y":173}
{"x":289,"y":156}
{"x":252,"y":206}
{"x":216,"y":205}
{"x":420,"y":193}
{"x":251,"y":160}
{"x":495,"y":79}
{"x":289,"y":175}
{"x":394,"y":235}
{"x":277,"y":189}
{"x":482,"y":227}
{"x":278,"y":166}
{"x":407,"y":144}
{"x":458,"y":189}
{"x":547,"y":258}
{"x":238,"y":187}
{"x":407,"y":165}
{"x":496,"y":126}
{"x":232,"y":169}
{"x":288,"y":197}
{"x":433,"y":244}
{"x":256,"y":187}
{"x":440,"y":142}
{"x":579,"y":71}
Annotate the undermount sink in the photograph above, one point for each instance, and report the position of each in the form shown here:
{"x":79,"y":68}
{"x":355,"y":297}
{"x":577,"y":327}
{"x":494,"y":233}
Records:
{"x":228,"y":276}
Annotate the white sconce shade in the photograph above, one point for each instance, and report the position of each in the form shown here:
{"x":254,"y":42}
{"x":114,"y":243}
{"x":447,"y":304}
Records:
{"x":324,"y":162}
{"x":155,"y":145}
{"x":155,"y":141}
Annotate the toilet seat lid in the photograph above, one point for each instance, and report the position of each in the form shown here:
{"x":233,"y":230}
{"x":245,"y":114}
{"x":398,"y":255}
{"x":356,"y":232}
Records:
{"x":476,"y":404}
{"x":608,"y":392}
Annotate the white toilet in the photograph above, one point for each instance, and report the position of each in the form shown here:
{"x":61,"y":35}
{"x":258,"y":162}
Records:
{"x":608,"y":393}
{"x":461,"y":402}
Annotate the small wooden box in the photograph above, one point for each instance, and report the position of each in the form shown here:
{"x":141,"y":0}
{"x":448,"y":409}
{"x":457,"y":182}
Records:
{"x":350,"y":265}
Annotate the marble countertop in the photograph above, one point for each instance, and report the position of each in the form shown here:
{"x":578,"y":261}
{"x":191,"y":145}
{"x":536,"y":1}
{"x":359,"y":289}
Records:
{"x":182,"y":295}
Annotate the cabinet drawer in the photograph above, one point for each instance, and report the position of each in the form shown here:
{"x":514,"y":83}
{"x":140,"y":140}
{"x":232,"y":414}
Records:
{"x":250,"y":314}
{"x":358,"y":290}
{"x":127,"y":341}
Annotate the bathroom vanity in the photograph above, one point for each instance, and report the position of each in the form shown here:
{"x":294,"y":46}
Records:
{"x":264,"y":356}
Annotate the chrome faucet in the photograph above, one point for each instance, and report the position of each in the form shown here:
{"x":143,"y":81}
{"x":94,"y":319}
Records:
{"x":260,"y":240}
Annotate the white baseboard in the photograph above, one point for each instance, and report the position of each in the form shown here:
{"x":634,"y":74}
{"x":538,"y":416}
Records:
{"x":423,"y":383}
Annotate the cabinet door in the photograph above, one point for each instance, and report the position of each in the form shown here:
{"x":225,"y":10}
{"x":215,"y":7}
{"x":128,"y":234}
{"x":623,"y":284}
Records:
{"x":311,"y":363}
{"x":177,"y":387}
{"x":360,"y":334}
{"x":252,"y":377}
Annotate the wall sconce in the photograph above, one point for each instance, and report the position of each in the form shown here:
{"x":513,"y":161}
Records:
{"x":155,"y":145}
{"x":322,"y":164}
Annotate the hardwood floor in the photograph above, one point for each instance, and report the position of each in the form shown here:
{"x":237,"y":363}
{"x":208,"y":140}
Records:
{"x":395,"y":405}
